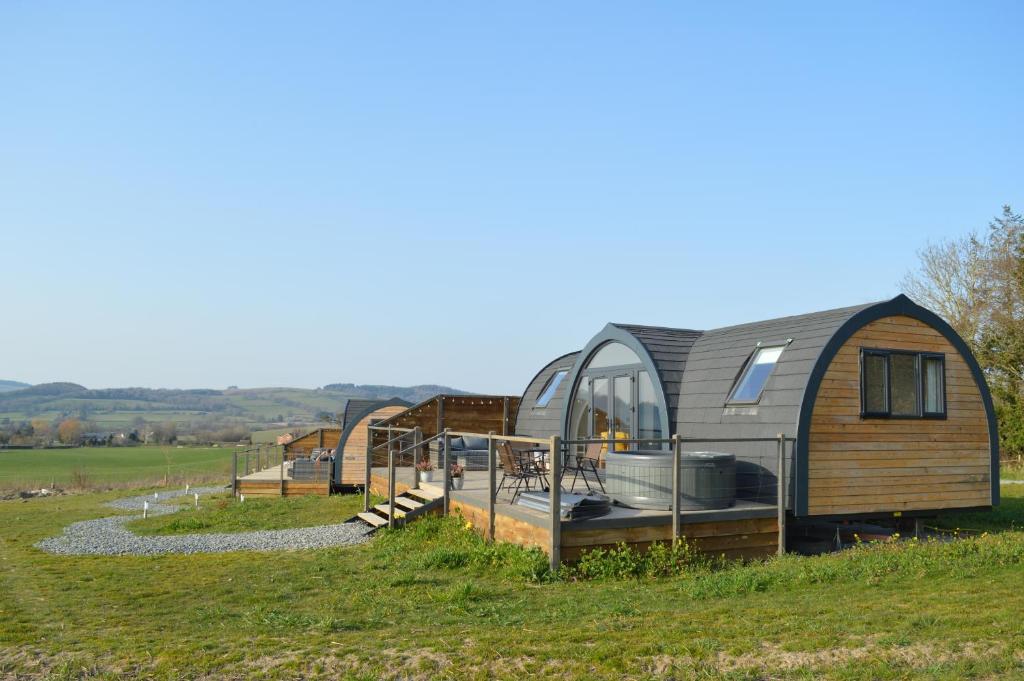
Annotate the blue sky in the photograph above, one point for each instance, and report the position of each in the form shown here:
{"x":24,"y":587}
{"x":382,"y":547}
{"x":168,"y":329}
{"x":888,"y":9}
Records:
{"x":203,"y":194}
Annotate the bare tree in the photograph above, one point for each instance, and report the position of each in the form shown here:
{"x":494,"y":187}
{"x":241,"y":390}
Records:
{"x":952,"y":279}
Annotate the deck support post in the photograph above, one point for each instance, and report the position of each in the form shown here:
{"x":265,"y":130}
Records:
{"x":492,"y":480}
{"x":417,"y":438}
{"x":282,"y":471}
{"x":234,"y":473}
{"x":391,"y":487}
{"x":446,"y":442}
{"x":780,"y":494}
{"x":369,"y":469}
{"x":677,"y":452}
{"x":555,"y":497}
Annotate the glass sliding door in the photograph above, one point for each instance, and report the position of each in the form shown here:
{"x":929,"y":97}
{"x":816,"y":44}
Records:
{"x":601,"y":406}
{"x":622,"y":409}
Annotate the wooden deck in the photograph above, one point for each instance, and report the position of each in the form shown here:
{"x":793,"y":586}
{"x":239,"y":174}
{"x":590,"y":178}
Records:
{"x":268,"y":483}
{"x":746,"y":530}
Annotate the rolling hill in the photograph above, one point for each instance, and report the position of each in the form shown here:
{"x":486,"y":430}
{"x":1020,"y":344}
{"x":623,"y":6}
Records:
{"x":6,"y":386}
{"x":250,"y":407}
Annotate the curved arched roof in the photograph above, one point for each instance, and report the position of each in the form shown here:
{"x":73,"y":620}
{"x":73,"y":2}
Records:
{"x":662,"y":351}
{"x":357,"y":410}
{"x":533,"y":420}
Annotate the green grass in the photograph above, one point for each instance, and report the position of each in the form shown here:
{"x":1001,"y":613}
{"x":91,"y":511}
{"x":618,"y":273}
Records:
{"x":434,"y":601}
{"x":222,"y":513}
{"x":92,"y":467}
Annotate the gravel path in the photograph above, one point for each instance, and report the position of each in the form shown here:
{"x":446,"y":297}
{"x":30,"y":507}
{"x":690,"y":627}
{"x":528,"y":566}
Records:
{"x":109,"y":537}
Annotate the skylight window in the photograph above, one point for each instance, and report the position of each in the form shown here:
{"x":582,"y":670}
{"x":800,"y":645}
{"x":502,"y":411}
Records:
{"x":551,"y":388}
{"x":751,"y":383}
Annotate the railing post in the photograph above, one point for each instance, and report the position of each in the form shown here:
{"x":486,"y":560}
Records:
{"x":369,"y":469}
{"x":555,"y":497}
{"x":247,"y":462}
{"x":677,"y":451}
{"x":391,"y":487}
{"x":781,"y":493}
{"x":417,"y":438}
{"x":446,"y":442}
{"x":282,"y":470}
{"x":491,"y":485}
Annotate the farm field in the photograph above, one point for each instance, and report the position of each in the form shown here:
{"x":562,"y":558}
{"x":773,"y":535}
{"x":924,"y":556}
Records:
{"x":433,"y":601}
{"x":114,"y":466}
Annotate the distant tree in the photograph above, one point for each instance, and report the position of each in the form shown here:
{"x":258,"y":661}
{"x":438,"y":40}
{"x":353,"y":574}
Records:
{"x":42,"y":430}
{"x":977,"y":285}
{"x":166,"y":433}
{"x":70,"y":431}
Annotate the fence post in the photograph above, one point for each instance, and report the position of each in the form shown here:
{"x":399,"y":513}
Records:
{"x":391,"y":487}
{"x":677,"y":451}
{"x":417,"y":438}
{"x":446,"y":442}
{"x":491,"y":485}
{"x":780,"y":493}
{"x":555,"y":497}
{"x":369,"y":469}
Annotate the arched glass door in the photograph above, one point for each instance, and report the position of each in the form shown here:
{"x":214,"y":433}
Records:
{"x":615,"y":398}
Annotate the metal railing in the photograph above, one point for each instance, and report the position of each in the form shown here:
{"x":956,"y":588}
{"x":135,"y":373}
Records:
{"x":757,"y":482}
{"x":252,"y":460}
{"x":676,"y":442}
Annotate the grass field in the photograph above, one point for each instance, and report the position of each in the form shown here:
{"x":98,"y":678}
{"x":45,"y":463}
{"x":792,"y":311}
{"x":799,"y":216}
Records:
{"x":433,"y":601}
{"x":97,"y":467}
{"x":220,"y":513}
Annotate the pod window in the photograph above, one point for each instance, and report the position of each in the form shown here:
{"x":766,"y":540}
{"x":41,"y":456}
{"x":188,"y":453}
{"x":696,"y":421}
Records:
{"x":899,"y":384}
{"x":551,"y":387}
{"x":755,"y":375}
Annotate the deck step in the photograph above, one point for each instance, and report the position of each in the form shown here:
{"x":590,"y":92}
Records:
{"x":373,"y":519}
{"x":424,"y":494}
{"x":408,"y":504}
{"x":386,"y":510}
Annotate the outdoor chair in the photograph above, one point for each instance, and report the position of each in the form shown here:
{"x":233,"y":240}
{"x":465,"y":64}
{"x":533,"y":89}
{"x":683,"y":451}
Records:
{"x":588,"y":464}
{"x":516,"y":472}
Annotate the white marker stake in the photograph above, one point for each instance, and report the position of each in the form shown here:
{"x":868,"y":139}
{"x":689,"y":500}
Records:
{"x":156,"y":495}
{"x":145,"y":509}
{"x":186,"y":488}
{"x":197,"y":499}
{"x":241,"y":498}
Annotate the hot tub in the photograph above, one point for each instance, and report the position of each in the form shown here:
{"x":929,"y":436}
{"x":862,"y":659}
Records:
{"x":643,"y":479}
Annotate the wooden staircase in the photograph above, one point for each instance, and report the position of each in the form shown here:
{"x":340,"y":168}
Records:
{"x":409,"y":505}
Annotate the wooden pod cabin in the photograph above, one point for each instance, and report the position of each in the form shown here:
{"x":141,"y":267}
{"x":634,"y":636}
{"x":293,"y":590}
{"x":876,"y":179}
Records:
{"x":889,"y":410}
{"x":350,"y":454}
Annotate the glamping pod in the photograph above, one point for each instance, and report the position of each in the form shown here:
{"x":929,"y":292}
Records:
{"x":350,"y":455}
{"x":540,"y":407}
{"x":889,"y":410}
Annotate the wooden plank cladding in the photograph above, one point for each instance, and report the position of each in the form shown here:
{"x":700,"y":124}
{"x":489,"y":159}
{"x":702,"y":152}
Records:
{"x":272,"y":488}
{"x":321,"y":438}
{"x":740,"y":538}
{"x":862,"y":465}
{"x":352,"y":466}
{"x":749,"y":538}
{"x":467,"y":413}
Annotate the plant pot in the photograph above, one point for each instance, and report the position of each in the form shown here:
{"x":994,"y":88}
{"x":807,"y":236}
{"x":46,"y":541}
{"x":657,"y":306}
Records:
{"x":457,"y":482}
{"x":426,"y":476}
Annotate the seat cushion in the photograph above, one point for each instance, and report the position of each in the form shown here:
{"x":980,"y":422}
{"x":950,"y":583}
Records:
{"x":457,"y":443}
{"x":475,"y":443}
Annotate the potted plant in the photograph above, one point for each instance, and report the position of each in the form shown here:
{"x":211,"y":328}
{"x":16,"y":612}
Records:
{"x":425,"y":467}
{"x":455,"y":474}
